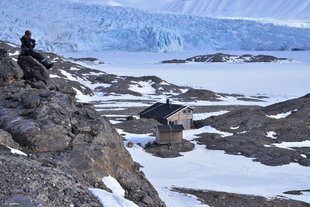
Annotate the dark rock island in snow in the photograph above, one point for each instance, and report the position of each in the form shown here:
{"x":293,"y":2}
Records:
{"x":264,"y":133}
{"x":226,"y":58}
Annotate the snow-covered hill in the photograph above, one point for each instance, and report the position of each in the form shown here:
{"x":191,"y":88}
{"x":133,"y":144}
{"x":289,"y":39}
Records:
{"x":276,"y":9}
{"x":142,"y":4}
{"x":66,"y":26}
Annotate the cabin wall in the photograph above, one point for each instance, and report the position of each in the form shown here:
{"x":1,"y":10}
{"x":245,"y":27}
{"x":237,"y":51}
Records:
{"x":185,"y":119}
{"x":169,"y":137}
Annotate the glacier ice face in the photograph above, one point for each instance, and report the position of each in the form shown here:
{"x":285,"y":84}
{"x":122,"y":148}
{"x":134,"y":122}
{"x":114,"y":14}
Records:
{"x":67,"y":26}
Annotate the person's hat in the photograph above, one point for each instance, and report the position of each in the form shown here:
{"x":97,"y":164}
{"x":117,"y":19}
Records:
{"x":27,"y":32}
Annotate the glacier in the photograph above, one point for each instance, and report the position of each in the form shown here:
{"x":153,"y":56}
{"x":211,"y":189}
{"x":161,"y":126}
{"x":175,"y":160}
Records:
{"x":276,"y":9}
{"x":69,"y":26}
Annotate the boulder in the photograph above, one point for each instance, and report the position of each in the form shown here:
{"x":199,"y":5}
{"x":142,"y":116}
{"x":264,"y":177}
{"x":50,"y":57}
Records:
{"x":6,"y":139}
{"x":304,"y":162}
{"x":33,"y":70}
{"x":10,"y":72}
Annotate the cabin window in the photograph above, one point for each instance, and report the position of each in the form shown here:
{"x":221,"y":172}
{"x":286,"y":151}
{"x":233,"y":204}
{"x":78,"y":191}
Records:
{"x":173,"y":122}
{"x":189,"y":111}
{"x":184,"y":111}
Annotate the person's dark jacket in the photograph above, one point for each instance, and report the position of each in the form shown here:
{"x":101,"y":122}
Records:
{"x":28,"y":45}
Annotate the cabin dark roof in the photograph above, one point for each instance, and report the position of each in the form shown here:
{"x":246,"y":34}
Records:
{"x":168,"y":128}
{"x":161,"y":110}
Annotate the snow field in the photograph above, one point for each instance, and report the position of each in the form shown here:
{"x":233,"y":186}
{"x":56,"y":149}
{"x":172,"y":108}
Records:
{"x":215,"y":170}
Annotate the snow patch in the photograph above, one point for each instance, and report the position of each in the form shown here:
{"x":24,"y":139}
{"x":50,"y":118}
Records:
{"x":201,"y":116}
{"x":113,"y":185}
{"x":191,"y":134}
{"x":235,"y":128}
{"x":281,"y":115}
{"x":115,"y":122}
{"x":12,"y":45}
{"x":18,"y":152}
{"x":15,"y":53}
{"x":54,"y":76}
{"x":143,"y":139}
{"x":142,"y":87}
{"x":114,"y":199}
{"x":290,"y":145}
{"x":272,"y":135}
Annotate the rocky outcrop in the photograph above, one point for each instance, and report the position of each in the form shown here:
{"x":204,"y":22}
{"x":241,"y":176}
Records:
{"x":226,"y":58}
{"x":256,"y":133}
{"x":70,"y":147}
{"x":9,"y":70}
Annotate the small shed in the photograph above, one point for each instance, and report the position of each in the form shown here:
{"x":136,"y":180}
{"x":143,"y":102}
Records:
{"x":169,"y":134}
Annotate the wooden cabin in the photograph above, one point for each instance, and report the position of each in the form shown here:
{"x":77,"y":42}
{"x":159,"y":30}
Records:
{"x":169,"y":134}
{"x":170,"y":114}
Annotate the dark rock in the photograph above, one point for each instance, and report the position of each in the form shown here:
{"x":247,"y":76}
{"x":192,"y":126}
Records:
{"x":33,"y":70}
{"x":93,"y":115}
{"x":195,"y":94}
{"x":278,"y":161}
{"x":304,"y":162}
{"x":20,"y":177}
{"x":223,"y":199}
{"x":4,"y":148}
{"x":36,"y":84}
{"x":19,"y":200}
{"x":138,"y":126}
{"x":169,"y":151}
{"x":42,"y":128}
{"x":3,"y":53}
{"x":148,"y":200}
{"x":64,"y":86}
{"x":6,"y":139}
{"x":165,"y":153}
{"x":9,"y":70}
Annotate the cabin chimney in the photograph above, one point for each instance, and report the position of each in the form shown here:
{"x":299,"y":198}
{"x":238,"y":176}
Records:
{"x":169,"y":103}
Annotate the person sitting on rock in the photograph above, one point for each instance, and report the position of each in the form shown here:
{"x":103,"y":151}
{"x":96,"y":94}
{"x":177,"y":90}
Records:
{"x":27,"y":47}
